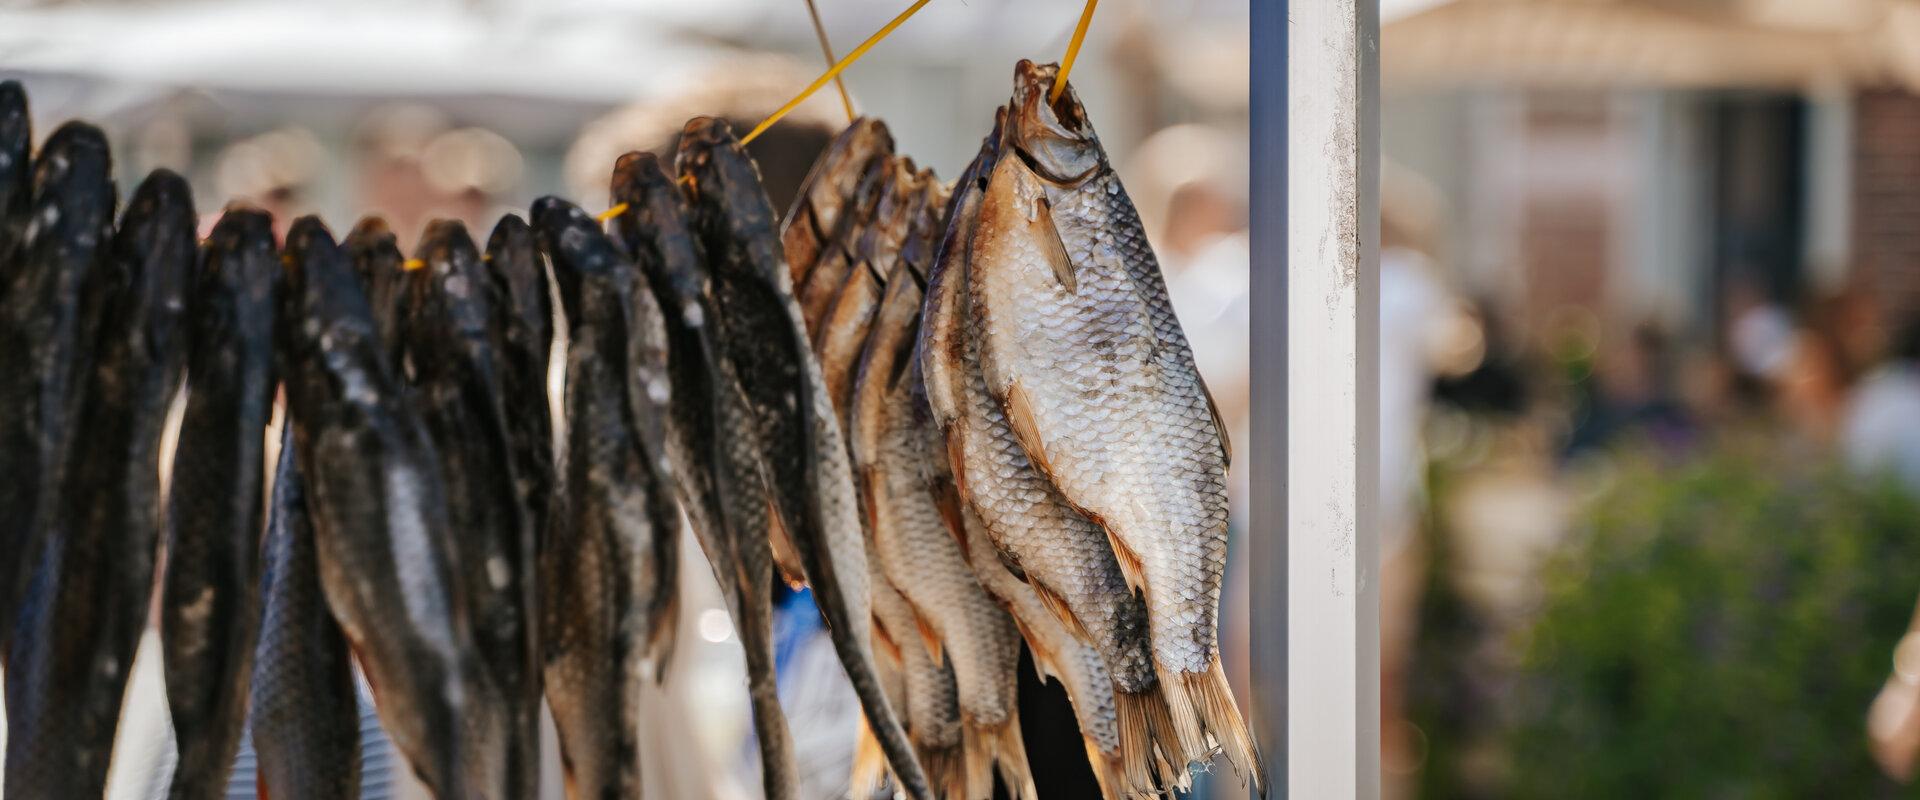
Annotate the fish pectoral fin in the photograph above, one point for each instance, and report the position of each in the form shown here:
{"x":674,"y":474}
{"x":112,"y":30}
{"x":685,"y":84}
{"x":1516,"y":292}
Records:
{"x":1052,"y":249}
{"x":1058,"y":605}
{"x":870,"y":487}
{"x":1025,"y":428}
{"x":786,"y":558}
{"x":1219,"y":426}
{"x":1132,"y":568}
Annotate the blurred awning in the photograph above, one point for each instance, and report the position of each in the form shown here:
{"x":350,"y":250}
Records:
{"x":1658,"y":43}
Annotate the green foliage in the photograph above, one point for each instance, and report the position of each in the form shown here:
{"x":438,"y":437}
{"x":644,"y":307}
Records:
{"x":1716,"y":630}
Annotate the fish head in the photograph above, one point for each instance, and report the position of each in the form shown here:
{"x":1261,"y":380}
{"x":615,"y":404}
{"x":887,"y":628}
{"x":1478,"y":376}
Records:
{"x":239,"y":257}
{"x":156,"y":242}
{"x":518,"y":281}
{"x":724,"y":187}
{"x":588,"y":268}
{"x":835,"y":181}
{"x":1053,"y":135}
{"x":446,"y":298}
{"x":372,"y":249}
{"x":657,"y":229}
{"x":324,"y":311}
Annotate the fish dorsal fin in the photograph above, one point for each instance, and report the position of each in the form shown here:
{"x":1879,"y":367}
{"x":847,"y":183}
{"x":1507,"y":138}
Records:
{"x":1132,"y":568}
{"x":1020,"y":418}
{"x":1058,"y":605}
{"x":1219,"y":426}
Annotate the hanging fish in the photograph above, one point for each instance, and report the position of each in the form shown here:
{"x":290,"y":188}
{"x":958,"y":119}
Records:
{"x":305,"y":718}
{"x":607,"y":572}
{"x":87,"y":603}
{"x":919,"y":553}
{"x":818,"y":217}
{"x":710,"y":439}
{"x":1061,"y":554}
{"x":763,"y":336}
{"x":209,"y":607}
{"x":523,"y":338}
{"x":65,"y":237}
{"x":839,"y":256}
{"x":459,"y":391}
{"x":379,"y":512}
{"x":1080,"y":347}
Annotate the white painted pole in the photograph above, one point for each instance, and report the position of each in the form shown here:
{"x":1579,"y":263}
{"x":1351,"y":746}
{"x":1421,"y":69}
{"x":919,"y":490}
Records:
{"x":1333,"y":594}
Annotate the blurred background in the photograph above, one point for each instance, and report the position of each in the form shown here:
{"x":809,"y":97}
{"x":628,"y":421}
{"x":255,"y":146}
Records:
{"x":1651,"y":397}
{"x":468,"y":109}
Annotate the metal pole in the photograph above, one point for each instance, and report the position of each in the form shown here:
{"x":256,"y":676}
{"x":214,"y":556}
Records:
{"x":1333,"y":595}
{"x":1267,"y":356}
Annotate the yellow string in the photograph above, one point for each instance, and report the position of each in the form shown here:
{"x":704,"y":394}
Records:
{"x":412,"y":264}
{"x":836,"y":69}
{"x":826,"y":48}
{"x":1073,"y":50}
{"x":616,"y":210}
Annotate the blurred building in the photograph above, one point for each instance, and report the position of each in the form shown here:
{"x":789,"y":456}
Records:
{"x":1660,"y":159}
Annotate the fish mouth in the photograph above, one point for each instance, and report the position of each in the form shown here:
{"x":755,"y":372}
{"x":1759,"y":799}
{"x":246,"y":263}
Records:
{"x":1051,"y":135}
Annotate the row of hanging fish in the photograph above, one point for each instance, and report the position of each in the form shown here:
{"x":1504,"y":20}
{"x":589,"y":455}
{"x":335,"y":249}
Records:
{"x":1036,"y":456}
{"x":963,"y":414}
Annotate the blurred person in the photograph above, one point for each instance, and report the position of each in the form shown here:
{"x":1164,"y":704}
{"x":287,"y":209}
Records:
{"x":272,"y":171}
{"x":1880,"y":427}
{"x":1421,"y":325}
{"x":390,"y":147}
{"x":1633,"y":396}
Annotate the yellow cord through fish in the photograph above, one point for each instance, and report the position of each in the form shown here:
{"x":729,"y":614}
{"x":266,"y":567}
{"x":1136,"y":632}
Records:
{"x":616,"y":210}
{"x":836,"y":69}
{"x":827,"y":50}
{"x":412,"y":264}
{"x":1073,"y":50}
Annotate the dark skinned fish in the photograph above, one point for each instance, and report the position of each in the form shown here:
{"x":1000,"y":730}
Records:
{"x":209,"y":598}
{"x":818,"y":216}
{"x":377,"y":261}
{"x":764,"y":338}
{"x":460,"y":394}
{"x":86,"y":605}
{"x":66,"y":234}
{"x":523,"y":339}
{"x":710,"y":440}
{"x":379,"y":513}
{"x":1062,"y":555}
{"x":1080,"y":346}
{"x":305,"y":715}
{"x":607,"y":573}
{"x":16,"y":173}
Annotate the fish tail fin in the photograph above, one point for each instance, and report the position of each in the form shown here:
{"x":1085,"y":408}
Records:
{"x":1108,"y":771}
{"x":947,"y":768}
{"x":998,"y":747}
{"x":869,"y":764}
{"x":1145,"y":730}
{"x":1212,"y":698}
{"x":1185,"y":737}
{"x":878,"y":711}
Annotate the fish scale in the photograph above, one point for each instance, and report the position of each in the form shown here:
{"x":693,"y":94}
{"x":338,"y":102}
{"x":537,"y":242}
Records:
{"x":305,"y":717}
{"x":929,"y":695}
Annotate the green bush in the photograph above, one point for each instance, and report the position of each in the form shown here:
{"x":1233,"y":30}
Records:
{"x":1716,"y":630}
